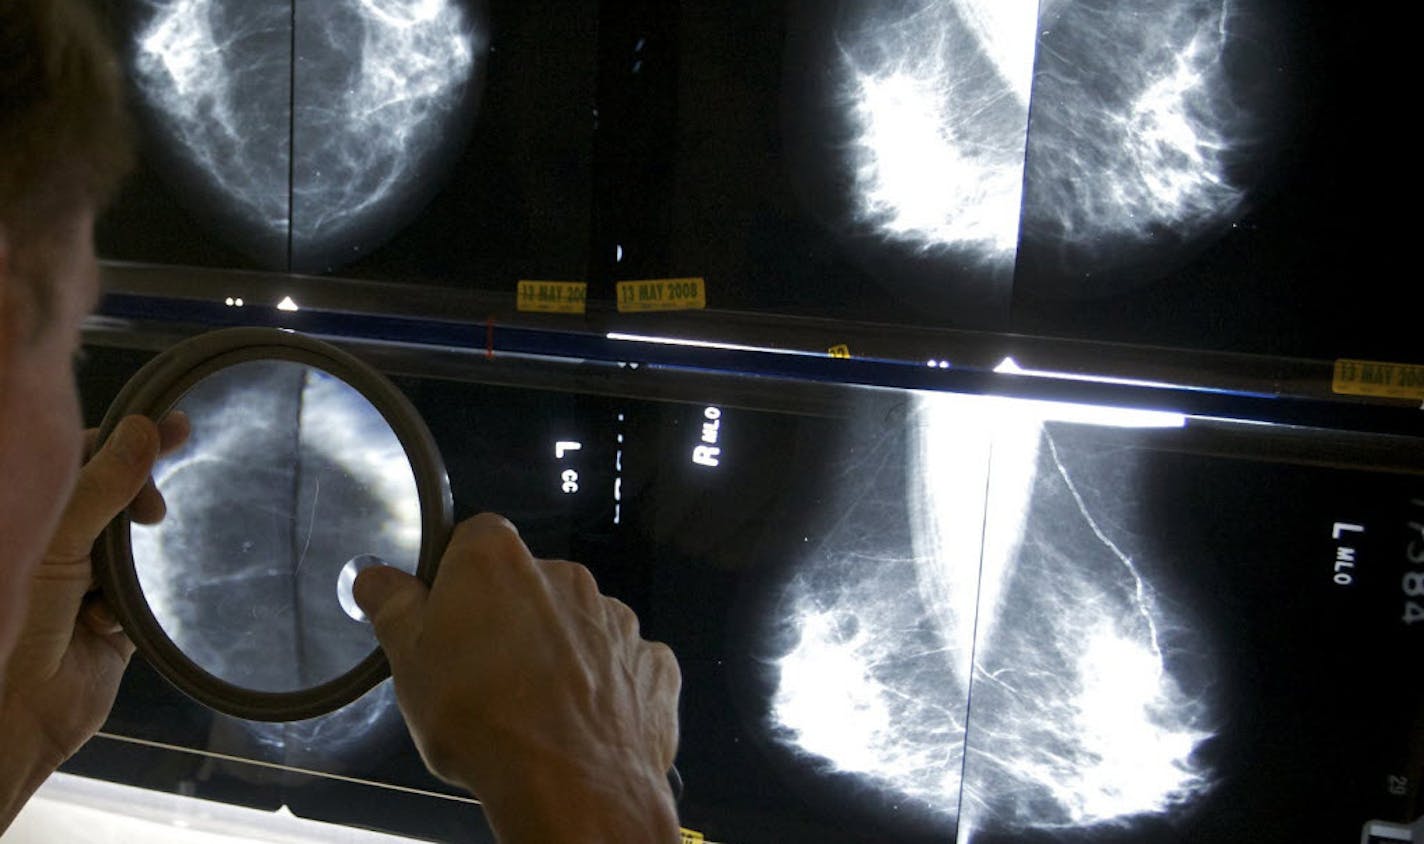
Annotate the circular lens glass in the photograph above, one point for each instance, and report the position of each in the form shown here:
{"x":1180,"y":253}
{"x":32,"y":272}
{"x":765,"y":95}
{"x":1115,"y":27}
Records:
{"x":289,"y":478}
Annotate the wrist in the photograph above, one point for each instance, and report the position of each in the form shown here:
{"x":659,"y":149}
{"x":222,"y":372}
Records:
{"x":561,"y":800}
{"x":25,"y":764}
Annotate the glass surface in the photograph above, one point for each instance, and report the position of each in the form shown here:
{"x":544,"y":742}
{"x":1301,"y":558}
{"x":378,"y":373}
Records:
{"x":918,"y":617}
{"x":289,"y":477}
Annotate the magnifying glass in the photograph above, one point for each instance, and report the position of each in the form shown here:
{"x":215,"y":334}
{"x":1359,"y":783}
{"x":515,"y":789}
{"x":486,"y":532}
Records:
{"x":304,"y":466}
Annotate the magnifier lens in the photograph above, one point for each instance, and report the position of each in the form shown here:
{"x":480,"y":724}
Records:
{"x":304,"y":466}
{"x":290,"y":484}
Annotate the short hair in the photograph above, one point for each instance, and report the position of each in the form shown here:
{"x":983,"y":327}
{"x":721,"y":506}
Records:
{"x":65,"y":136}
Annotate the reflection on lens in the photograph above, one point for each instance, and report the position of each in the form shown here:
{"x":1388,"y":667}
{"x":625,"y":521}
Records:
{"x":290,"y":476}
{"x":347,"y":580}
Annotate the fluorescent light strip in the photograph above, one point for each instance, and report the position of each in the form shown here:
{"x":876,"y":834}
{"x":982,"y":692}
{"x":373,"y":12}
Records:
{"x":1008,"y":366}
{"x":1092,"y":414}
{"x":706,"y":344}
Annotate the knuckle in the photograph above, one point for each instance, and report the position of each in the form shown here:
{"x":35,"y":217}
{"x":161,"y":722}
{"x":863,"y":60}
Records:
{"x":488,"y":538}
{"x":665,"y":666}
{"x":583,"y":579}
{"x":623,"y":617}
{"x":484,"y":523}
{"x":573,"y":576}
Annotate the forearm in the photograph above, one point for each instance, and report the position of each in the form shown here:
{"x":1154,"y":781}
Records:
{"x":16,"y":788}
{"x":23,"y":768}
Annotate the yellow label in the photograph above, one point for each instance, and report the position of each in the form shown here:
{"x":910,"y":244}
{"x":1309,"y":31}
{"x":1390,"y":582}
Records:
{"x":840,"y":350}
{"x":1385,"y":380}
{"x":690,"y":837}
{"x":662,"y":294}
{"x":552,"y":297}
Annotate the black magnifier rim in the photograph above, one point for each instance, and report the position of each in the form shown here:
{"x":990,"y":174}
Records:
{"x":153,"y":391}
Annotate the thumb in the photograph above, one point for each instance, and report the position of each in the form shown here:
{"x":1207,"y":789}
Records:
{"x":106,"y":485}
{"x":395,"y":603}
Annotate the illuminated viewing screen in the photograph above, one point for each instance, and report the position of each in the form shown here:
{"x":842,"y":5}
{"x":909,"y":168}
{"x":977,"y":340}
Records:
{"x":913,"y":617}
{"x":1178,"y":172}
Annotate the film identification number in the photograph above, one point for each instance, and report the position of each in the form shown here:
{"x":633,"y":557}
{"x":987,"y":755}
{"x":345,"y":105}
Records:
{"x":1413,"y":581}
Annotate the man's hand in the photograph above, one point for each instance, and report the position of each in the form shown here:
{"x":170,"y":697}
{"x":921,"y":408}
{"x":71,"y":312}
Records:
{"x":62,"y":678}
{"x":523,"y":684}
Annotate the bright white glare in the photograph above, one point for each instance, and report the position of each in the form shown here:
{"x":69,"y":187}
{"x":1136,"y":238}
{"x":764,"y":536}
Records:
{"x":1008,"y":366}
{"x":702,"y":344}
{"x":1006,"y":32}
{"x":938,"y":97}
{"x":1093,"y":414}
{"x":1075,"y":719}
{"x":287,"y":304}
{"x":82,"y":810}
